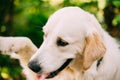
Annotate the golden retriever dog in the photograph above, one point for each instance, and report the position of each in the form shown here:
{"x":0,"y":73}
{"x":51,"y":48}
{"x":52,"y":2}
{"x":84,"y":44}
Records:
{"x":75,"y":47}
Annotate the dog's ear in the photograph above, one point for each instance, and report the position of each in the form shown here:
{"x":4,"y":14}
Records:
{"x":94,"y":50}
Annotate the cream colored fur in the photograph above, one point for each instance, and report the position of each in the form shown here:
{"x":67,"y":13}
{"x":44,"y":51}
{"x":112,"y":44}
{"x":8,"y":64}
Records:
{"x":20,"y":48}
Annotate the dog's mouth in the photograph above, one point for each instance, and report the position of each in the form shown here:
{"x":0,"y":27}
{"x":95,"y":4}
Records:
{"x":54,"y":73}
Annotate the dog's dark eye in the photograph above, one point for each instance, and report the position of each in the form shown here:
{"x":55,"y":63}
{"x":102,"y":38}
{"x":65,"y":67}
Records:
{"x":61,"y":42}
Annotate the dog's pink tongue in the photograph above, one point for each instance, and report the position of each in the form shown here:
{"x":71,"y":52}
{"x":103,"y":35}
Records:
{"x":42,"y":77}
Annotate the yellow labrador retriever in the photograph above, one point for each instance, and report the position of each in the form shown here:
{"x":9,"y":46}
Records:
{"x":76,"y":47}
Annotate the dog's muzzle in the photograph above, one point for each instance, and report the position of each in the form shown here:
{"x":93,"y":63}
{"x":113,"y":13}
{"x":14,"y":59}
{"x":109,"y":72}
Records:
{"x":34,"y":66}
{"x":52,"y":74}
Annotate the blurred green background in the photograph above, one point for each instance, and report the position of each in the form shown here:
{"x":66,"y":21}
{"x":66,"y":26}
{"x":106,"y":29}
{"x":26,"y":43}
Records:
{"x":27,"y":17}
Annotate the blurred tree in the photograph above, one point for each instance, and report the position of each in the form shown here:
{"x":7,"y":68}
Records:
{"x":10,"y":69}
{"x":6,"y":14}
{"x":112,"y":17}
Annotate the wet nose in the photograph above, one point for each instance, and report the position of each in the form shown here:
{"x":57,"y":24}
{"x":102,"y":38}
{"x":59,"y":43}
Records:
{"x":34,"y":66}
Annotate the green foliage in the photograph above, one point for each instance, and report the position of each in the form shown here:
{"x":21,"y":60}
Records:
{"x":116,"y":3}
{"x":117,"y":20}
{"x":10,"y":69}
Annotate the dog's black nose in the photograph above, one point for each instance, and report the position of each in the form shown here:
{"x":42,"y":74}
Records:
{"x":34,"y":66}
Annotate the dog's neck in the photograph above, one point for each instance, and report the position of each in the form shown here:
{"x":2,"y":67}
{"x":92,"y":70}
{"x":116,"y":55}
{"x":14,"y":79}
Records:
{"x":77,"y":68}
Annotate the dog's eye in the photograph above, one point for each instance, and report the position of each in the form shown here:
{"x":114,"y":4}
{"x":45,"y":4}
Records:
{"x":61,"y":42}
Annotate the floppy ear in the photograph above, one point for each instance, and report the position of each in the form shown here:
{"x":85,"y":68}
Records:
{"x":94,"y":50}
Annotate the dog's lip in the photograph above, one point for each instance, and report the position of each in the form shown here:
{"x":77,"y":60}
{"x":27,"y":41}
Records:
{"x":42,"y":77}
{"x":54,"y":73}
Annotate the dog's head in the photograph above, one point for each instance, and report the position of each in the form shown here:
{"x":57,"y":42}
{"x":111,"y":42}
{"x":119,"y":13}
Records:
{"x":70,"y":32}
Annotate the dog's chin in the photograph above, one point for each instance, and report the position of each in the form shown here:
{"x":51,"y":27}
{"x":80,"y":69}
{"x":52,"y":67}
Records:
{"x":54,"y":73}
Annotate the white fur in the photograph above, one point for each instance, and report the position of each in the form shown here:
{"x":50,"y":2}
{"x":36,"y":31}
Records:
{"x":20,"y":48}
{"x":73,"y":25}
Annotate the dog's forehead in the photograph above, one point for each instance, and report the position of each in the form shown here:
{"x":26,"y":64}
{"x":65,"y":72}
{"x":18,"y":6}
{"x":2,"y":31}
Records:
{"x":63,"y":13}
{"x":70,"y":21}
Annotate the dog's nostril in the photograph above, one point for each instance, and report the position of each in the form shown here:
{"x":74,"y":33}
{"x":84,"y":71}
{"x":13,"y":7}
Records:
{"x":34,"y":66}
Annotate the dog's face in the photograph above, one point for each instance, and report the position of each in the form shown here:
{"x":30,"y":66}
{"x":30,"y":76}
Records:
{"x":67,"y":33}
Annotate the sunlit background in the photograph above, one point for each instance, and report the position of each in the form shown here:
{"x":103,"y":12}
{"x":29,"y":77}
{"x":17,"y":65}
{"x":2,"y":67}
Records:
{"x":27,"y":17}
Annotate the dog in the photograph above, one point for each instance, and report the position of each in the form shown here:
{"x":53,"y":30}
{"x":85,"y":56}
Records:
{"x":20,"y":48}
{"x":75,"y":47}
